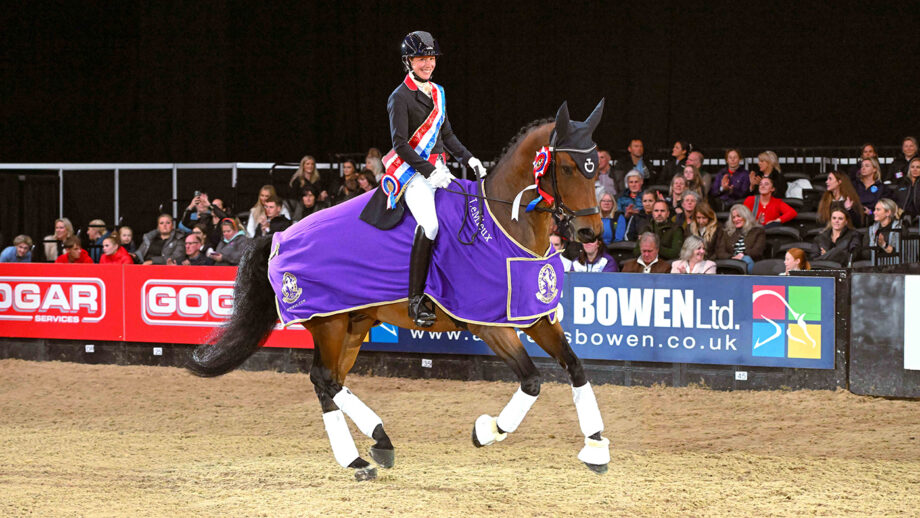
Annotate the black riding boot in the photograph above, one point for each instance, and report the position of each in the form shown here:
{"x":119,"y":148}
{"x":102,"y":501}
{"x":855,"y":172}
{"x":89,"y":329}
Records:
{"x":420,"y":308}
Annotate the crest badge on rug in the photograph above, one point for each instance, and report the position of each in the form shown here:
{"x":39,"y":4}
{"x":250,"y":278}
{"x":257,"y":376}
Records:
{"x":546,"y":282}
{"x":289,"y":288}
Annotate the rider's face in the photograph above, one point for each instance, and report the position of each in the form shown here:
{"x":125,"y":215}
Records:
{"x":423,"y":66}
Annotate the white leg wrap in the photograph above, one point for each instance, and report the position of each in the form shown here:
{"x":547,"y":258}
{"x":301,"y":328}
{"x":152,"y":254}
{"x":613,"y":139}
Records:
{"x":365,"y":418}
{"x":589,"y":417}
{"x":515,"y":410}
{"x":595,"y":452}
{"x":487,"y":430}
{"x":343,"y":446}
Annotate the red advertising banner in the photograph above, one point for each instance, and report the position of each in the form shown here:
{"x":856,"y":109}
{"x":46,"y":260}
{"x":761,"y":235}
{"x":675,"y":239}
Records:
{"x":61,"y":301}
{"x":160,"y":304}
{"x":185,"y":304}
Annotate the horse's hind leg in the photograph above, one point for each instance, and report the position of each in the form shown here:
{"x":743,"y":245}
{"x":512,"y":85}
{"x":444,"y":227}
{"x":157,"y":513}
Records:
{"x":596,"y":452}
{"x":506,"y":344}
{"x":331,"y":361}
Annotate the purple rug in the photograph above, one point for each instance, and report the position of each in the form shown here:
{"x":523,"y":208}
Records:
{"x":332,"y":262}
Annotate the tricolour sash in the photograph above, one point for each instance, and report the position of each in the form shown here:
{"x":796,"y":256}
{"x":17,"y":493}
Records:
{"x":398,"y":172}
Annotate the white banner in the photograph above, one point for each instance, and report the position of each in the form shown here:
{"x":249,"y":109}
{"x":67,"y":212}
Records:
{"x":911,"y":323}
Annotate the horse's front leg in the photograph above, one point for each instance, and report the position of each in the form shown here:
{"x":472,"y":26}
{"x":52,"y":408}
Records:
{"x":596,"y":451}
{"x":506,"y":344}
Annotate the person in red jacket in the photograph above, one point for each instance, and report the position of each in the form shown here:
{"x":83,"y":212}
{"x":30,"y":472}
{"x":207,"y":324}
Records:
{"x":113,"y":253}
{"x":769,"y":211}
{"x":74,"y":253}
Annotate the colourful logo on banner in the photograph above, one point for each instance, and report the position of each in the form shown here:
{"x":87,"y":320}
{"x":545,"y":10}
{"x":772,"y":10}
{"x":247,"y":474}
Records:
{"x":781,"y":327}
{"x":383,"y":334}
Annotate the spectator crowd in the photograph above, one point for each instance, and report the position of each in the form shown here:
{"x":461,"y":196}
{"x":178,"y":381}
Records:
{"x":677,"y":218}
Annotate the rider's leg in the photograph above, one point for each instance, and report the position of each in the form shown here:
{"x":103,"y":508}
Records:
{"x":420,"y":200}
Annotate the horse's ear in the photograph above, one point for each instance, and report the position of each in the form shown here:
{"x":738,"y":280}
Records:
{"x":595,"y":116}
{"x":562,"y":122}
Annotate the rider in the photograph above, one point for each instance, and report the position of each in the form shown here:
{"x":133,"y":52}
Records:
{"x":415,"y":166}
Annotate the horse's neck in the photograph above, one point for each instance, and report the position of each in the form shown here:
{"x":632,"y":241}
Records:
{"x":513,"y":174}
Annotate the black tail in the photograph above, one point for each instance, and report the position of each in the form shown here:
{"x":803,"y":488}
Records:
{"x":254,"y":316}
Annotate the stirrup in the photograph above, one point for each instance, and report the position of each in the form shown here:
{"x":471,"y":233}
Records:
{"x":421,"y":311}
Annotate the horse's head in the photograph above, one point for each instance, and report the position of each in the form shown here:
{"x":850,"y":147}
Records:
{"x":575,"y":154}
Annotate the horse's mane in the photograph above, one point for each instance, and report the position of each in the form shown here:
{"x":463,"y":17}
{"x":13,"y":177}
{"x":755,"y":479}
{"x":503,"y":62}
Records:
{"x":513,"y":143}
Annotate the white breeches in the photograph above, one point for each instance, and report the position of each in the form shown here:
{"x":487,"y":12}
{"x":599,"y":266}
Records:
{"x":420,"y":199}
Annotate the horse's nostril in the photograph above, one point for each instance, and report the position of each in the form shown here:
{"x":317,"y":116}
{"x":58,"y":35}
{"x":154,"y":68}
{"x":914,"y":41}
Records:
{"x":585,"y":235}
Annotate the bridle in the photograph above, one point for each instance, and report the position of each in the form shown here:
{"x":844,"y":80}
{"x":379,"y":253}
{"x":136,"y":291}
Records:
{"x":562,"y":213}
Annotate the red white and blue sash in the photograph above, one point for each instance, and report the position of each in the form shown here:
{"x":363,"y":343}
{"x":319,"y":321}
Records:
{"x":398,"y":172}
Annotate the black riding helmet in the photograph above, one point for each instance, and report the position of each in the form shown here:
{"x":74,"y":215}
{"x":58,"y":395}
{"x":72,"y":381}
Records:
{"x":418,"y":43}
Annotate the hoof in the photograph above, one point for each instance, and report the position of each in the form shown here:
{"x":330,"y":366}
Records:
{"x":369,"y":473}
{"x":475,"y":440}
{"x":485,"y":431}
{"x":600,"y":469}
{"x":383,"y":458}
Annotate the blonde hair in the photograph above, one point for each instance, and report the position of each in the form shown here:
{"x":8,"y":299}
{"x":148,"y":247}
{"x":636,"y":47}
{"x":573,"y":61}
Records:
{"x":709,"y":231}
{"x":67,"y":225}
{"x":878,"y":168}
{"x":769,"y":156}
{"x":745,"y":213}
{"x":257,"y":210}
{"x":690,"y":246}
{"x":892,"y":207}
{"x":299,"y":176}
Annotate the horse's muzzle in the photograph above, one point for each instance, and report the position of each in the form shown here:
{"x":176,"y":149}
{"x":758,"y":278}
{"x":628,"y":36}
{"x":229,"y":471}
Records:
{"x":585,"y":235}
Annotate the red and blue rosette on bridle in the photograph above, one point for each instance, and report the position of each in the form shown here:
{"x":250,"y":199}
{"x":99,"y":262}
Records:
{"x":540,"y":165}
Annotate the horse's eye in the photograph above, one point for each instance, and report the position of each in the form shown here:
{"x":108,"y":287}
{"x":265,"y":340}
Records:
{"x":567,"y":169}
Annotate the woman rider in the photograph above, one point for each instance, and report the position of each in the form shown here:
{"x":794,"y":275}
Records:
{"x":415,"y":166}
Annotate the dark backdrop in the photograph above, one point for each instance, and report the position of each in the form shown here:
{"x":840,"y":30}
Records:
{"x":221,"y":81}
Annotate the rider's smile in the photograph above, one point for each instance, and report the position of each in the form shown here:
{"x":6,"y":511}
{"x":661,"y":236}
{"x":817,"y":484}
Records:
{"x":423,"y":66}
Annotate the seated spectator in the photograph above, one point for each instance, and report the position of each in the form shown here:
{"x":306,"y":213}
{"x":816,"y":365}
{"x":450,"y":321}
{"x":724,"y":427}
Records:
{"x":706,"y":227}
{"x":629,"y":228}
{"x":885,"y":233}
{"x":769,"y":211}
{"x":694,"y":180}
{"x":557,"y":244}
{"x":839,"y":241}
{"x":604,"y":169}
{"x":126,"y":239}
{"x":73,"y":252}
{"x":374,"y":164}
{"x":54,"y":244}
{"x":695,"y":159}
{"x":676,"y":194}
{"x":869,"y":187}
{"x":840,"y":191}
{"x":743,"y":239}
{"x":366,"y":181}
{"x":674,"y":166}
{"x":274,"y":220}
{"x":193,"y":253}
{"x":603,"y":185}
{"x":20,"y":252}
{"x":670,"y":235}
{"x":161,"y":243}
{"x":608,"y":218}
{"x":349,"y":188}
{"x":732,"y":183}
{"x":768,"y":167}
{"x":648,"y":260}
{"x":795,"y":259}
{"x":632,"y":197}
{"x":113,"y":253}
{"x":898,"y":168}
{"x":866,"y":151}
{"x":907,"y":192}
{"x":257,"y":212}
{"x":693,"y":258}
{"x":308,"y":204}
{"x":687,"y":209}
{"x":593,"y":258}
{"x":307,"y":174}
{"x":634,"y":161}
{"x":199,"y":211}
{"x":231,"y":246}
{"x":96,"y":232}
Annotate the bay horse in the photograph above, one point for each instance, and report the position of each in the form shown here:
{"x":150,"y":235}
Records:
{"x":566,"y":194}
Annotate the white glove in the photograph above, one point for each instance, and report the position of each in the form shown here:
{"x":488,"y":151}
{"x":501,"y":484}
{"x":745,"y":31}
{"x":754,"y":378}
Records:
{"x":441,"y":177}
{"x":477,"y":166}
